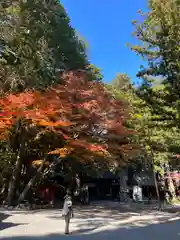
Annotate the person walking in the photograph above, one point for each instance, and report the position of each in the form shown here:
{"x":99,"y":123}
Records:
{"x":67,"y":212}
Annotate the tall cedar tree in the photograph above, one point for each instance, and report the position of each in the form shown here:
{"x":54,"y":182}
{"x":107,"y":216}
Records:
{"x":159,"y":34}
{"x":36,"y":42}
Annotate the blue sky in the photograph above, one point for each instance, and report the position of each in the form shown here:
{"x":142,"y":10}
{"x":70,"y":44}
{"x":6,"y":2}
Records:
{"x":106,"y":26}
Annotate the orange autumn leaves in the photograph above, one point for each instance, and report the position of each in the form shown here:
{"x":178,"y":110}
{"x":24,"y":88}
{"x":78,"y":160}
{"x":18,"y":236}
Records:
{"x":76,"y":106}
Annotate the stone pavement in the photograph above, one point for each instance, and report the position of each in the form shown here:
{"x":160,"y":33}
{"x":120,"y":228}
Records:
{"x":102,"y":221}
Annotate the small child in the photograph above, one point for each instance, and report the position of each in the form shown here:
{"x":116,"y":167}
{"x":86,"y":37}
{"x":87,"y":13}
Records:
{"x":67,"y":211}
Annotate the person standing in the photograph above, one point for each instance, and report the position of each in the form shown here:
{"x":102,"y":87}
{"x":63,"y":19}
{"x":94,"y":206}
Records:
{"x":67,"y":212}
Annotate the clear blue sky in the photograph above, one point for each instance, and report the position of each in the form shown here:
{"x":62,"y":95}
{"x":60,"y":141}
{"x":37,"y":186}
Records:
{"x":106,"y":25}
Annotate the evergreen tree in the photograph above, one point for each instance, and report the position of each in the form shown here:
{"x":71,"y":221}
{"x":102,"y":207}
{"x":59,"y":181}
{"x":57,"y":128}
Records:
{"x":122,"y":82}
{"x":158,"y":142}
{"x":36,"y":41}
{"x":159,"y":36}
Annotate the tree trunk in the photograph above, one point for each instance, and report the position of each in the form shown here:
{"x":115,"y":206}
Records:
{"x":16,"y":175}
{"x":171,"y":189}
{"x":155,"y":180}
{"x":154,"y":172}
{"x":2,"y":193}
{"x":123,"y":188}
{"x":18,"y":166}
{"x":170,"y":185}
{"x":156,"y":186}
{"x":30,"y":183}
{"x":12,"y":183}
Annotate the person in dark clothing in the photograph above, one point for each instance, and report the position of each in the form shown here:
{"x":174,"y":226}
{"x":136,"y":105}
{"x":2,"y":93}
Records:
{"x":67,"y":211}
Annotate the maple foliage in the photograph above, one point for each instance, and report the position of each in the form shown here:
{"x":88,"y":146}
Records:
{"x":83,"y":112}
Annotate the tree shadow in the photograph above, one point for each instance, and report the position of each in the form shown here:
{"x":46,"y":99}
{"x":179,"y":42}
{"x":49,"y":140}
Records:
{"x":3,"y":216}
{"x":5,"y":225}
{"x":107,"y":212}
{"x":129,"y":220}
{"x":160,"y":231}
{"x":92,"y":219}
{"x":91,"y":222}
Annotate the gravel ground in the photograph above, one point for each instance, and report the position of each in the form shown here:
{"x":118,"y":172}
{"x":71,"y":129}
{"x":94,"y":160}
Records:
{"x":97,"y":221}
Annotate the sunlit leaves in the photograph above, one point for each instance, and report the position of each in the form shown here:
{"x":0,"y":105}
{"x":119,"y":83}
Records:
{"x":62,"y":152}
{"x":36,"y":42}
{"x":76,"y":109}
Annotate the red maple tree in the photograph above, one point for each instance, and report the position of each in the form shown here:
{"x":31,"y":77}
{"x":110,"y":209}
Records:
{"x":83,"y":112}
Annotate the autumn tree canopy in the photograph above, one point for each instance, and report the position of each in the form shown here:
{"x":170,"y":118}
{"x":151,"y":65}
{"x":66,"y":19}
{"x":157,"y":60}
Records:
{"x":79,"y":110}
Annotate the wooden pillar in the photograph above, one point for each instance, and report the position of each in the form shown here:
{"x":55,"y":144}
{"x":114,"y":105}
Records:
{"x":123,"y":185}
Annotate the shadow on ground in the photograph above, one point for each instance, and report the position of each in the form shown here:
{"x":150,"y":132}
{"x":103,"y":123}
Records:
{"x":161,"y":231}
{"x":92,"y":214}
{"x":5,"y":225}
{"x":93,"y":221}
{"x":98,"y":217}
{"x":3,"y":216}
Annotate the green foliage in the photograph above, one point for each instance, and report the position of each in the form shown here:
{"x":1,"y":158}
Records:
{"x":159,"y":34}
{"x":94,"y":73}
{"x":121,"y":88}
{"x":36,"y":41}
{"x":159,"y":37}
{"x":122,"y":82}
{"x":157,"y":141}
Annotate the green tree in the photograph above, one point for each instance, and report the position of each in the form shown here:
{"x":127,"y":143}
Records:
{"x":122,"y":82}
{"x":94,"y":73}
{"x":157,"y":139}
{"x":157,"y":142}
{"x":159,"y":37}
{"x":36,"y":41}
